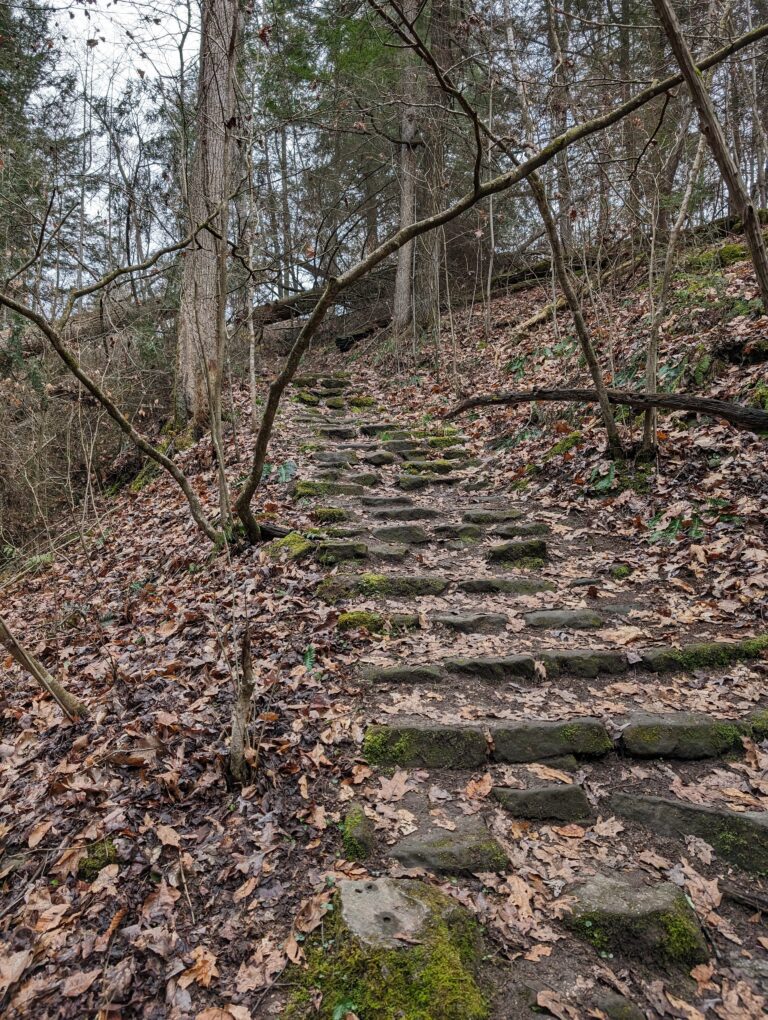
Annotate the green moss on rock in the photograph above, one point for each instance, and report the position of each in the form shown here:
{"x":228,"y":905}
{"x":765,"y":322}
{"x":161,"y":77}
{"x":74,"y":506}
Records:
{"x":357,"y":619}
{"x":99,"y":856}
{"x":329,"y":514}
{"x":307,"y":398}
{"x":292,"y":547}
{"x":564,"y":445}
{"x":358,"y":834}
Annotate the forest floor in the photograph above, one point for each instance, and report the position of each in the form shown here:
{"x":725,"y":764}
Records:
{"x":590,"y":784}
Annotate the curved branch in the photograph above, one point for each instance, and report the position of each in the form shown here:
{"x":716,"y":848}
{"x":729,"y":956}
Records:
{"x":750,"y":419}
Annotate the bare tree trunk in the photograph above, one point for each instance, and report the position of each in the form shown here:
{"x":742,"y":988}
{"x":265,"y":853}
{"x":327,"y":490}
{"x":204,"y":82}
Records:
{"x":72,"y":707}
{"x":241,"y":713}
{"x":713,"y":132}
{"x":200,"y":339}
{"x":402,"y":310}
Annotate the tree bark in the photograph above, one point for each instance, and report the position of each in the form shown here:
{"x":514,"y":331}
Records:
{"x":749,"y":419}
{"x":713,"y":132}
{"x":200,"y":340}
{"x":72,"y":707}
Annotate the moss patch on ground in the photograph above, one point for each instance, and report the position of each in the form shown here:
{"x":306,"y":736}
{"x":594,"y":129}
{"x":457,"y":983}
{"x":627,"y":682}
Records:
{"x":292,"y":547}
{"x":99,"y":856}
{"x":329,"y":514}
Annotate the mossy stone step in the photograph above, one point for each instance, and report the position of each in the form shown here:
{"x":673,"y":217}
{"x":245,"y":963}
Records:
{"x":330,"y":514}
{"x":366,"y":478}
{"x":738,"y":838}
{"x":337,"y":432}
{"x":381,"y":585}
{"x":379,"y":458}
{"x":639,"y":919}
{"x":336,"y":403}
{"x":564,"y":802}
{"x":339,"y":551}
{"x":307,"y":398}
{"x":412,"y":483}
{"x":386,"y":502}
{"x":293,"y":546}
{"x":407,"y":674}
{"x":414,"y":453}
{"x":684,"y":735}
{"x":491,"y":516}
{"x":494,"y":668}
{"x":335,"y":458}
{"x":311,"y":489}
{"x":533,"y":740}
{"x":455,"y":453}
{"x":425,"y":746}
{"x":445,"y":442}
{"x":471,"y":623}
{"x":389,"y":551}
{"x":523,"y":552}
{"x":376,"y":623}
{"x":406,"y":534}
{"x":378,"y":428}
{"x":459,"y":532}
{"x":405,"y":445}
{"x":468,"y":849}
{"x":437,"y":466}
{"x":586,"y":662}
{"x":505,"y":585}
{"x":703,"y":653}
{"x":566,"y":619}
{"x":521,"y":530}
{"x":406,"y":513}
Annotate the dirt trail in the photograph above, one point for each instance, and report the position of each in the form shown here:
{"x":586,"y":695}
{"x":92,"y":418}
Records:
{"x":565,"y":761}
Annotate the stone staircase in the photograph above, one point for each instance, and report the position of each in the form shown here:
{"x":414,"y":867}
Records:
{"x":492,"y":689}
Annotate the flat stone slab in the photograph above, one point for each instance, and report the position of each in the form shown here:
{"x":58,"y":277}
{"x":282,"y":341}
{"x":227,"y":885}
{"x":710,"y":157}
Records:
{"x":491,"y":516}
{"x":310,"y":489}
{"x":459,"y":532}
{"x":411,"y":483}
{"x":467,"y":850}
{"x":685,"y":735}
{"x":402,"y":586}
{"x":386,"y":502}
{"x":505,"y":585}
{"x":471,"y":623}
{"x":565,"y":803}
{"x":587,"y":662}
{"x":703,"y":653}
{"x":522,"y":551}
{"x":337,"y":432}
{"x":521,"y":530}
{"x":425,"y":746}
{"x":335,"y":457}
{"x":400,"y":445}
{"x":366,"y":478}
{"x":377,"y":910}
{"x":414,"y":674}
{"x":379,"y":457}
{"x":438,"y":467}
{"x":626,"y":914}
{"x":338,"y":551}
{"x":495,"y":668}
{"x":406,"y":534}
{"x":739,"y":838}
{"x":563,"y":619}
{"x":377,"y":428}
{"x":536,"y":739}
{"x":389,"y":551}
{"x":407,"y":513}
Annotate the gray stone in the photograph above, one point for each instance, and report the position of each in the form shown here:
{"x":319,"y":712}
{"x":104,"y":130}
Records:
{"x":376,"y":429}
{"x":407,"y":513}
{"x":388,"y":551}
{"x":407,"y":534}
{"x":359,"y":834}
{"x":586,"y":662}
{"x":410,"y":483}
{"x":438,"y":467}
{"x":617,"y":1007}
{"x":467,"y":850}
{"x":496,"y":668}
{"x":566,"y":803}
{"x":505,"y":585}
{"x":454,"y":453}
{"x":425,"y":745}
{"x":521,"y":530}
{"x":335,"y":457}
{"x":379,"y":457}
{"x":491,"y":516}
{"x":534,"y":740}
{"x":739,"y":838}
{"x":459,"y":532}
{"x":377,"y":910}
{"x":366,"y":478}
{"x":584,"y":582}
{"x":386,"y":502}
{"x":471,"y":623}
{"x":624,"y":913}
{"x":413,"y":674}
{"x":337,"y":432}
{"x":400,"y":445}
{"x":522,"y":551}
{"x":686,"y":735}
{"x":558,"y":619}
{"x":338,"y":551}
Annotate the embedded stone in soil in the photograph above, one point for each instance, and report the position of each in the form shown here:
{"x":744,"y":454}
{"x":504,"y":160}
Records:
{"x":703,"y":653}
{"x":504,"y":585}
{"x":384,"y":585}
{"x":438,"y":467}
{"x":414,"y":674}
{"x":459,"y":532}
{"x":379,"y":457}
{"x":536,"y":739}
{"x":425,"y":745}
{"x":310,"y":489}
{"x":627,"y":914}
{"x":471,"y":623}
{"x":335,"y":457}
{"x":376,"y":429}
{"x":521,"y":552}
{"x":740,"y":838}
{"x":410,"y":483}
{"x":521,"y":530}
{"x":586,"y":662}
{"x":566,"y":802}
{"x":387,"y":551}
{"x":686,"y":735}
{"x":560,"y":619}
{"x":491,"y":516}
{"x":407,"y":534}
{"x":366,"y":478}
{"x":406,"y":513}
{"x":386,"y":501}
{"x":358,"y":834}
{"x":468,"y":849}
{"x":338,"y":551}
{"x":336,"y":432}
{"x":493,"y":667}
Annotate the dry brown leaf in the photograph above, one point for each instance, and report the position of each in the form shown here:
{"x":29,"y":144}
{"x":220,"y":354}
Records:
{"x":78,"y":984}
{"x":477,"y":788}
{"x":556,"y":1005}
{"x":202,"y":971}
{"x":168,"y":836}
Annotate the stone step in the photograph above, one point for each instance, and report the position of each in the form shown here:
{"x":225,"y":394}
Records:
{"x":471,"y":623}
{"x":379,"y":458}
{"x":335,"y":458}
{"x":521,"y":530}
{"x":525,"y":553}
{"x":738,"y":838}
{"x":377,"y":428}
{"x":406,"y":534}
{"x":400,"y":445}
{"x":337,"y":432}
{"x":406,"y":513}
{"x":459,"y":532}
{"x":404,"y":586}
{"x":340,"y":551}
{"x":436,"y":466}
{"x":412,"y":483}
{"x":330,"y":514}
{"x":313,"y":489}
{"x":504,"y":585}
{"x":366,"y":478}
{"x":491,"y":516}
{"x":563,"y":802}
{"x":386,"y":502}
{"x":464,"y":623}
{"x":683,"y":735}
{"x":563,"y":619}
{"x":468,"y":849}
{"x":388,"y":551}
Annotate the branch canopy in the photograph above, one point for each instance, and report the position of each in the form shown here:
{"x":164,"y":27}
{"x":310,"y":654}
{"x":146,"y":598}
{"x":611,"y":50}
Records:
{"x":749,"y":419}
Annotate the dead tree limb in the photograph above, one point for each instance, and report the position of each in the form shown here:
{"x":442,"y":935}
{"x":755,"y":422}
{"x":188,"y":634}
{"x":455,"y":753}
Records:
{"x":749,"y":419}
{"x":72,"y":707}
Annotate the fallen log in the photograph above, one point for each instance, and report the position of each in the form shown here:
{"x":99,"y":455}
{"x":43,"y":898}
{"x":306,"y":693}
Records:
{"x":749,"y":419}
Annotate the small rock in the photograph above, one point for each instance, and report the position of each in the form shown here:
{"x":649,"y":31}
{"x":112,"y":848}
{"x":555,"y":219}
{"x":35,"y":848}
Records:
{"x":358,"y":834}
{"x":467,"y":850}
{"x":566,"y":803}
{"x":623,"y":913}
